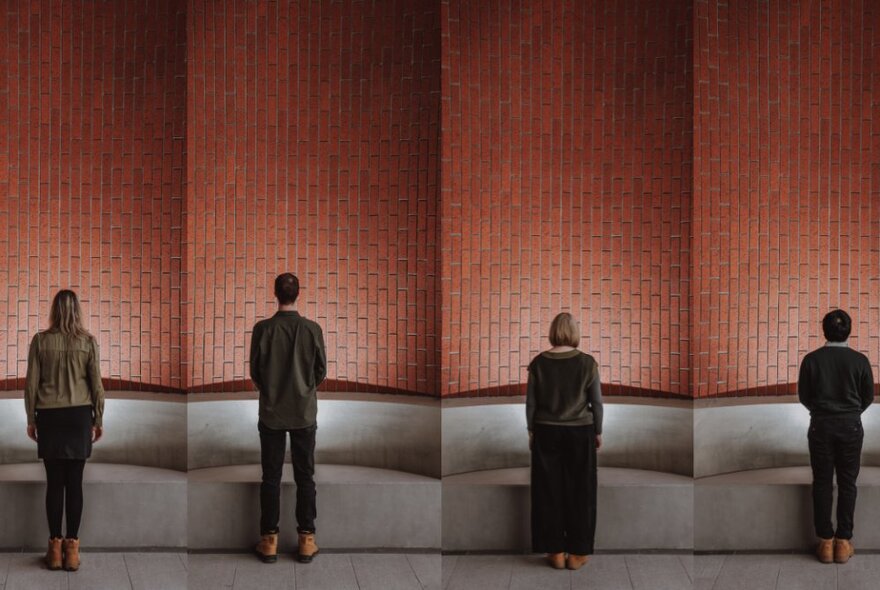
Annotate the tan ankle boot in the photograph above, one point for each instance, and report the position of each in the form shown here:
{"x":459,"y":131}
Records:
{"x":53,"y":554}
{"x":71,"y":554}
{"x":575,"y":562}
{"x":556,"y":560}
{"x":267,"y":548}
{"x":843,"y":550}
{"x":825,"y":550}
{"x":307,"y":548}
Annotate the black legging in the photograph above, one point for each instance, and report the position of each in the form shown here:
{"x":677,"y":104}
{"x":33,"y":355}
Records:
{"x":64,"y":482}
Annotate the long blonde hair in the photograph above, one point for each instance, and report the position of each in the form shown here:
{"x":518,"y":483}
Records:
{"x":66,"y":315}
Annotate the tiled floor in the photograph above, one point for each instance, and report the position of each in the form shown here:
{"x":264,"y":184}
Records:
{"x":357,"y":571}
{"x":99,"y":571}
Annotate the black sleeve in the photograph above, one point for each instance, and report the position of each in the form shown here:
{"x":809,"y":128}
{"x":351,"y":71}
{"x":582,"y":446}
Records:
{"x":595,"y":396}
{"x":804,"y":386}
{"x":866,"y":387}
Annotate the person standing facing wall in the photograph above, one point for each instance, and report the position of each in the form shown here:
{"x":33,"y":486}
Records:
{"x":287,"y":363}
{"x":836,"y":385}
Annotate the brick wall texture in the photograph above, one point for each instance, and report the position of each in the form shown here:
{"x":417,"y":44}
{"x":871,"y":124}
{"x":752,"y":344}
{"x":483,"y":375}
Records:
{"x":697,"y":181}
{"x":566,"y":169}
{"x":92,"y":178}
{"x":786,"y":219}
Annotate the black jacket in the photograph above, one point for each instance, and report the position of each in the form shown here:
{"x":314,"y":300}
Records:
{"x":836,"y":380}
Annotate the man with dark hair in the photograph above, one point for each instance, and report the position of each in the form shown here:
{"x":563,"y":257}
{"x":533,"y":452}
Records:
{"x":287,"y":363}
{"x":836,"y":384}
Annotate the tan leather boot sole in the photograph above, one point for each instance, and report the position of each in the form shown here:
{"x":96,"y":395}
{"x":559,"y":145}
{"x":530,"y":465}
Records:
{"x":843,"y":550}
{"x":825,"y":550}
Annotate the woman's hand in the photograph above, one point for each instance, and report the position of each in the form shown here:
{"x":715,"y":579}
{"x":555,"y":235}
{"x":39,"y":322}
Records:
{"x":32,"y":432}
{"x":97,"y":433}
{"x":531,"y":439}
{"x":598,"y":441}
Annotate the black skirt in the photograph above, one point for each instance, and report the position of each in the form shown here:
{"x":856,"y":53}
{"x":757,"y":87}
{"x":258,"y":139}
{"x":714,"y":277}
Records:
{"x":64,"y":433}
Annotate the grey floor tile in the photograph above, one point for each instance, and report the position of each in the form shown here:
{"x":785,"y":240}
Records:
{"x":427,"y":569}
{"x":687,"y":562}
{"x":531,"y":572}
{"x":253,"y":574}
{"x":328,"y":571}
{"x":156,"y":571}
{"x":657,"y":572}
{"x":384,"y":572}
{"x":602,"y":572}
{"x":100,"y":571}
{"x":707,"y":567}
{"x":4,"y":569}
{"x":27,"y":572}
{"x":803,"y":572}
{"x":748,"y":572}
{"x":481,"y":572}
{"x":861,"y":573}
{"x":448,"y":565}
{"x":211,"y":572}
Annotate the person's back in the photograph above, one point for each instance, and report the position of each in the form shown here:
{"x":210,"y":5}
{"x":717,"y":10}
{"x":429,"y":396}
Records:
{"x":835,"y":380}
{"x":287,"y":365}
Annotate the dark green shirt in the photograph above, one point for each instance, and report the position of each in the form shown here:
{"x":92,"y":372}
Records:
{"x":564,"y":389}
{"x":287,"y":364}
{"x":835,"y":380}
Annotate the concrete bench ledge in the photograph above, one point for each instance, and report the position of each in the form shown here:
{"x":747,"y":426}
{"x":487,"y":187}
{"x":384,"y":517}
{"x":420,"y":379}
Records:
{"x":771,"y":509}
{"x":126,"y":506}
{"x":638,"y":510}
{"x":392,"y":509}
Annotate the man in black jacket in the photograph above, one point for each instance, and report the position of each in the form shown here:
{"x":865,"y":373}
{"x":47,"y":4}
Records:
{"x":836,"y":384}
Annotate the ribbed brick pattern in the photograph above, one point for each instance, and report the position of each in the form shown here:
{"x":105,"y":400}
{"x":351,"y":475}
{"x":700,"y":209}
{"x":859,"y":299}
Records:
{"x":787,"y":186}
{"x":566,"y":167}
{"x":92,"y":179}
{"x":314,"y":140}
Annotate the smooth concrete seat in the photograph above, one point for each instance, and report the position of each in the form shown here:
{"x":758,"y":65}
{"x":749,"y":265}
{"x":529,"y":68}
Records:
{"x":637,"y":509}
{"x":358,"y":508}
{"x":126,"y":506}
{"x":771,"y":509}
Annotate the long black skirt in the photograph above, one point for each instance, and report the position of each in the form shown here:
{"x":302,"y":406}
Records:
{"x":64,"y":433}
{"x":563,"y":489}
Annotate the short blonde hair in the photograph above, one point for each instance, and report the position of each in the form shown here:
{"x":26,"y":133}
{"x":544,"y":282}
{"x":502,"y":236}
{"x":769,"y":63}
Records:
{"x":564,"y":331}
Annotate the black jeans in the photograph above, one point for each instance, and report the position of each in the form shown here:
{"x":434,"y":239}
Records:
{"x":302,"y":451}
{"x":835,"y":447}
{"x":563,"y":489}
{"x":64,"y":486}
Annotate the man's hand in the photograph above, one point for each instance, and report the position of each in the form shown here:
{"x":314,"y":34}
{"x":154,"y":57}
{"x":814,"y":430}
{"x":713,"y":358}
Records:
{"x":32,"y":432}
{"x":598,"y":441}
{"x":97,"y":433}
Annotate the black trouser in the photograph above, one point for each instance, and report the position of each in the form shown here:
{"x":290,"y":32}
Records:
{"x":835,"y":447}
{"x":64,"y":485}
{"x":563,"y":489}
{"x":302,"y":452}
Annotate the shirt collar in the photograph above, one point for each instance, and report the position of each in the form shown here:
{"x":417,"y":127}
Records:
{"x":837,"y":344}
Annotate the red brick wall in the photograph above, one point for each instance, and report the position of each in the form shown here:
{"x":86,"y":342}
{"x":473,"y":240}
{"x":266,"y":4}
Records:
{"x":566,"y":185}
{"x":92,"y":180}
{"x":787,"y":186}
{"x":314,"y":138}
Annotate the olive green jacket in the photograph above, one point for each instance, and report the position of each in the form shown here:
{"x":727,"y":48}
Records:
{"x":62,"y":373}
{"x":287,"y":363}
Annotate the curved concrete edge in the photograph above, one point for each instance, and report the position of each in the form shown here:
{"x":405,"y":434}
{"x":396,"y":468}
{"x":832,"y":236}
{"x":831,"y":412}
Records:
{"x":771,"y":510}
{"x":637,"y":436}
{"x":149,"y":433}
{"x":391,"y":435}
{"x":731,"y":438}
{"x":393,"y":510}
{"x":637,"y":510}
{"x":125,"y":507}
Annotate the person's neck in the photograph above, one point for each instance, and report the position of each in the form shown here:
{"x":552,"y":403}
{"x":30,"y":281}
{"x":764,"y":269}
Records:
{"x":562,"y":348}
{"x":286,"y":307}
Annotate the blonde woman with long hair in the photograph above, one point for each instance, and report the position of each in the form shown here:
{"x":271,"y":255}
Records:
{"x":64,"y":400}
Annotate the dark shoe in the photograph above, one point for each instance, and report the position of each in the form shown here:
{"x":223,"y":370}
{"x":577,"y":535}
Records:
{"x":843,"y":550}
{"x":825,"y":550}
{"x":556,"y":560}
{"x":267,"y":548}
{"x":53,"y":554}
{"x":307,"y":549}
{"x":71,"y":554}
{"x":575,"y":562}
